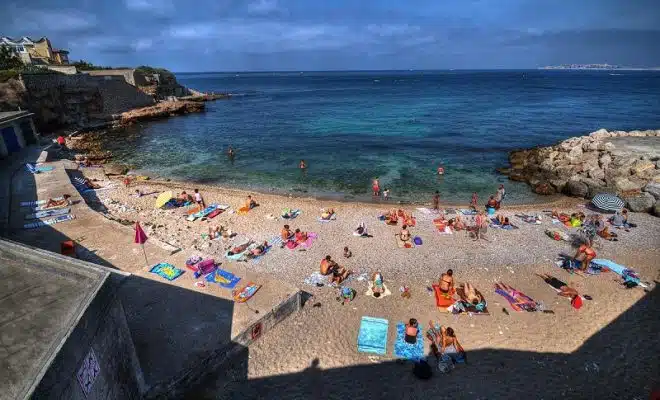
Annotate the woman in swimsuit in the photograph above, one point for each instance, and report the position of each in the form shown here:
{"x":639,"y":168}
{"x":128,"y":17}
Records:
{"x":377,"y":284}
{"x":56,"y":203}
{"x":446,"y":282}
{"x":329,"y":267}
{"x":584,"y":255}
{"x":412,"y":328}
{"x":375,"y":186}
{"x":286,"y":233}
{"x":302,"y":164}
{"x":563,"y":289}
{"x":449,"y":344}
{"x":327,"y":214}
{"x":404,"y":235}
{"x":239,"y":249}
{"x":300,"y":237}
{"x":471,"y":295}
{"x":259,"y":249}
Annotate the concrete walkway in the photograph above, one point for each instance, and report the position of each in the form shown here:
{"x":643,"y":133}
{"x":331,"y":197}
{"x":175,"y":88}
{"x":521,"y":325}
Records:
{"x":180,"y":331}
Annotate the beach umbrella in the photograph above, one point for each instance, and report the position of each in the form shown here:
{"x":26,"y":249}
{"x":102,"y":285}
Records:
{"x":163,"y":198}
{"x":607,"y":202}
{"x":141,"y":238}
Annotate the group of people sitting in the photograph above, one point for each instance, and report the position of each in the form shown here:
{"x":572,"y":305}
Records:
{"x":288,"y":235}
{"x":392,"y":217}
{"x":575,"y":220}
{"x":327,"y":214}
{"x":595,"y":224}
{"x":336,"y":272}
{"x":219,"y":231}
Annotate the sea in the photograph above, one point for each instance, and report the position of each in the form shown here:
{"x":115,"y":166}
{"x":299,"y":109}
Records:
{"x":398,"y":126}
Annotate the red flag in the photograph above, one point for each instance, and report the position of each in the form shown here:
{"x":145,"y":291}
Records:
{"x":140,"y":236}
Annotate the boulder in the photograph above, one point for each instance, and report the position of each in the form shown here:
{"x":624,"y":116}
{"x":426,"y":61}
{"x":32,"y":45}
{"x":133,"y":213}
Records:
{"x":559,"y":184}
{"x":596,"y":173}
{"x":602,"y":132}
{"x":604,"y":160}
{"x":622,"y":184}
{"x":605,"y":146}
{"x":565,"y":171}
{"x":575,"y":152}
{"x":594,"y":186}
{"x":653,"y":188}
{"x":576,"y":188}
{"x":115,"y":169}
{"x":640,"y":202}
{"x":547,"y":165}
{"x":640,"y":167}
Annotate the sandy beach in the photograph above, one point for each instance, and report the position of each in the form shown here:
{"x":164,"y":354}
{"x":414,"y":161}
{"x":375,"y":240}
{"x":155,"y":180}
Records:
{"x":528,"y":343}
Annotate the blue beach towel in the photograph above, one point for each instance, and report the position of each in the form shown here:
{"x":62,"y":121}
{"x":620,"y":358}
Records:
{"x":49,"y":213}
{"x":372,"y":337}
{"x":35,"y":169}
{"x":467,"y":212}
{"x":413,"y":352}
{"x":626,"y":273}
{"x":167,"y":271}
{"x":223,"y":278}
{"x":52,"y":221}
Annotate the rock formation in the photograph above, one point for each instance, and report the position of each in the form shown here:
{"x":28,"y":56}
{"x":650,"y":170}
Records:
{"x":612,"y":162}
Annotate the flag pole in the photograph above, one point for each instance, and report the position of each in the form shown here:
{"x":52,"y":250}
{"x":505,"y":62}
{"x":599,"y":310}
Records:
{"x":145,"y":254}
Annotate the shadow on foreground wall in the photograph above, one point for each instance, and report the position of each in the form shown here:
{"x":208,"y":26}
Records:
{"x":151,"y":339}
{"x":618,"y":362}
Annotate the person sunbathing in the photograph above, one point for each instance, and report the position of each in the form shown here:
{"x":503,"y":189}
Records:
{"x":603,"y":230}
{"x":620,"y":220}
{"x":412,"y":328}
{"x":91,"y":184}
{"x":458,"y":223}
{"x":377,"y":286}
{"x":300,"y":237}
{"x":259,"y":250}
{"x":327,"y":214}
{"x":286,"y":233}
{"x":392,"y":218}
{"x":64,"y":201}
{"x":337,"y":273}
{"x":361,"y":230}
{"x":446,"y":282}
{"x":471,"y":295}
{"x":288,"y":214}
{"x":347,"y":253}
{"x":562,"y":288}
{"x":215,"y":233}
{"x":409,"y":220}
{"x":404,"y":235}
{"x":584,"y":255}
{"x":239,"y":249}
{"x":250,"y":203}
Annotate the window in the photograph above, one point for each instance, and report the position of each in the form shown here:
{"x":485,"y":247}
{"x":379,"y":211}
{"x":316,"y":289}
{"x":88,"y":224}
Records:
{"x":19,"y":48}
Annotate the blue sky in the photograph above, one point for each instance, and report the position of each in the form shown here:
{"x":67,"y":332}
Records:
{"x":231,"y":35}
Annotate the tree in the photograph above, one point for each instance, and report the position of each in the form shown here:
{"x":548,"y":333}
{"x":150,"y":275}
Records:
{"x":8,"y":58}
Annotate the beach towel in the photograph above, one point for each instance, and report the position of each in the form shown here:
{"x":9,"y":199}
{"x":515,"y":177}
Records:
{"x":467,"y":212}
{"x":315,"y":278}
{"x":332,"y":218}
{"x":257,"y":259}
{"x":203,"y":213}
{"x":239,"y":256}
{"x":530,"y":219}
{"x":35,"y":168}
{"x":443,"y":300}
{"x":517,"y":300}
{"x":573,"y":266}
{"x":294,"y":213}
{"x":48,"y":213}
{"x":167,"y":271}
{"x":370,"y":291}
{"x":311,"y":237}
{"x":34,"y":203}
{"x":246,"y":292}
{"x":223,"y":278}
{"x":372,"y":337}
{"x":626,"y":273}
{"x":404,"y":245}
{"x":558,"y":235}
{"x":243,"y":210}
{"x":402,"y":349}
{"x":52,"y":221}
{"x":464,"y":307}
{"x":495,"y":223}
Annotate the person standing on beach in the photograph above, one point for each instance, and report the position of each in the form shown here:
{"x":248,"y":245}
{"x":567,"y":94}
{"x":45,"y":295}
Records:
{"x":499,"y":196}
{"x":376,"y":187}
{"x":436,"y":201}
{"x":62,"y":142}
{"x":475,"y":200}
{"x":199,"y":199}
{"x":386,"y":193}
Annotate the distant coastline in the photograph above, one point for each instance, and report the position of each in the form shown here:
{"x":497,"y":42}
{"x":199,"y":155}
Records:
{"x":599,"y":67}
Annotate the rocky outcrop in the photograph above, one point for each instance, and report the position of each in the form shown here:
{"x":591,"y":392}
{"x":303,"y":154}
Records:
{"x":161,"y":110}
{"x":615,"y":162}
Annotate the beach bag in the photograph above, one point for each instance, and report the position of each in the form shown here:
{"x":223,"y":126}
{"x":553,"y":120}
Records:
{"x":417,"y":240}
{"x":576,"y":302}
{"x":422,"y":370}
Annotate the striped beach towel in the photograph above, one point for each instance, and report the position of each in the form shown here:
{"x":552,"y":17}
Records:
{"x":49,"y":213}
{"x":52,"y":221}
{"x":34,"y":203}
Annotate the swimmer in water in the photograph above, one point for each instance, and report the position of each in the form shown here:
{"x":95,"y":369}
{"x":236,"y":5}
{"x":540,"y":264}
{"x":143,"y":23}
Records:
{"x":441,"y":171}
{"x":303,"y":164}
{"x":230,"y":151}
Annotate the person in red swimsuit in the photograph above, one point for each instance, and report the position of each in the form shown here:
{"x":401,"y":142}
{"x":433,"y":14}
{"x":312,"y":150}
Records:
{"x":584,"y":255}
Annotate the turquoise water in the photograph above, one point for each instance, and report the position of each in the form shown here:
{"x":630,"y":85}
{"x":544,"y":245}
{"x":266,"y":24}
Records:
{"x":399,"y":126}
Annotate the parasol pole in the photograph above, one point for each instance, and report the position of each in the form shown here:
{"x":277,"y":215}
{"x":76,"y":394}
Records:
{"x":145,"y":254}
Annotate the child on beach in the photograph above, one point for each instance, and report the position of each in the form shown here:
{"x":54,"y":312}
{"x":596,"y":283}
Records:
{"x":386,"y":193}
{"x":375,"y":186}
{"x":199,"y":199}
{"x":347,"y":253}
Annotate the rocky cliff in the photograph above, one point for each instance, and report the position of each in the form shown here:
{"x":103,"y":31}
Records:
{"x":624,"y":163}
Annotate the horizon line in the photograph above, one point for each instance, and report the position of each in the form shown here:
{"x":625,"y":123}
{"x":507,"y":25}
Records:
{"x":544,"y":68}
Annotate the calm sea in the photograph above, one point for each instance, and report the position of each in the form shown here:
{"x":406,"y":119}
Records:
{"x":399,"y":126}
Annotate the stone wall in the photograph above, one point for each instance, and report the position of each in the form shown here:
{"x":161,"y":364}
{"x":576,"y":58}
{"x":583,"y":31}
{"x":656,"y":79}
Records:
{"x":127,"y":74}
{"x":103,"y":329}
{"x":78,"y":100}
{"x":623,"y":163}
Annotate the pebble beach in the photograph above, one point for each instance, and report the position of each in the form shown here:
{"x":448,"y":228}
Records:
{"x":326,"y":330}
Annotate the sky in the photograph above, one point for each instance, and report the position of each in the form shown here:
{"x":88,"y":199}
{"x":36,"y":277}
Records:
{"x":307,"y":35}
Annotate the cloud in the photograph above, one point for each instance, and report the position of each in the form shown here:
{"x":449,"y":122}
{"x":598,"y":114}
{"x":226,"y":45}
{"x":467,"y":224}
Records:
{"x":54,"y":21}
{"x":262,"y":7}
{"x":153,"y":6}
{"x":392,"y":29}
